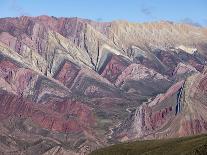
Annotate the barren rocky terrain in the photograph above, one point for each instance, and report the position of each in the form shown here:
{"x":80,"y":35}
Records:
{"x":71,"y":85}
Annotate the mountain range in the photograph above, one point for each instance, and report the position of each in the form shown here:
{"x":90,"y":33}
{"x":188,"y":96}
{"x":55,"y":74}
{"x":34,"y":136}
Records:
{"x":71,"y":85}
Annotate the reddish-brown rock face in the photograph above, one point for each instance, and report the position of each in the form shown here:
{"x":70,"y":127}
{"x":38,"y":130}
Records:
{"x":203,"y":84}
{"x":75,"y":117}
{"x":67,"y":74}
{"x":114,"y":68}
{"x":62,"y":116}
{"x":8,"y":39}
{"x":79,"y":84}
{"x":192,"y":127}
{"x":153,"y":116}
{"x":179,"y":112}
{"x":18,"y":78}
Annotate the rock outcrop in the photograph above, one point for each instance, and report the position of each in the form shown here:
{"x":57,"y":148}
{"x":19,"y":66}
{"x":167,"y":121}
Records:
{"x":71,"y":85}
{"x":177,"y":113}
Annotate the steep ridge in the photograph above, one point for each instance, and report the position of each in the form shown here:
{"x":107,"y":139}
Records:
{"x":148,"y":36}
{"x":179,"y":112}
{"x":78,"y":85}
{"x":29,"y":94}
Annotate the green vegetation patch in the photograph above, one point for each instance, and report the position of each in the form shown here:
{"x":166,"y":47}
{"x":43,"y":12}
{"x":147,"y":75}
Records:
{"x":195,"y":145}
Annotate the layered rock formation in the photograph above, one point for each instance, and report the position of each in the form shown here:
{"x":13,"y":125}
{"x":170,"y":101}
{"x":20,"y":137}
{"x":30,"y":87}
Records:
{"x":179,"y":112}
{"x":70,"y":85}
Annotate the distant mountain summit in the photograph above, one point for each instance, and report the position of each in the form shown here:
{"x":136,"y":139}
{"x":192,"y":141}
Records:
{"x":71,"y":85}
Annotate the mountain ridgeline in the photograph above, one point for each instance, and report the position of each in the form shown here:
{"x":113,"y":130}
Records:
{"x":71,"y":85}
